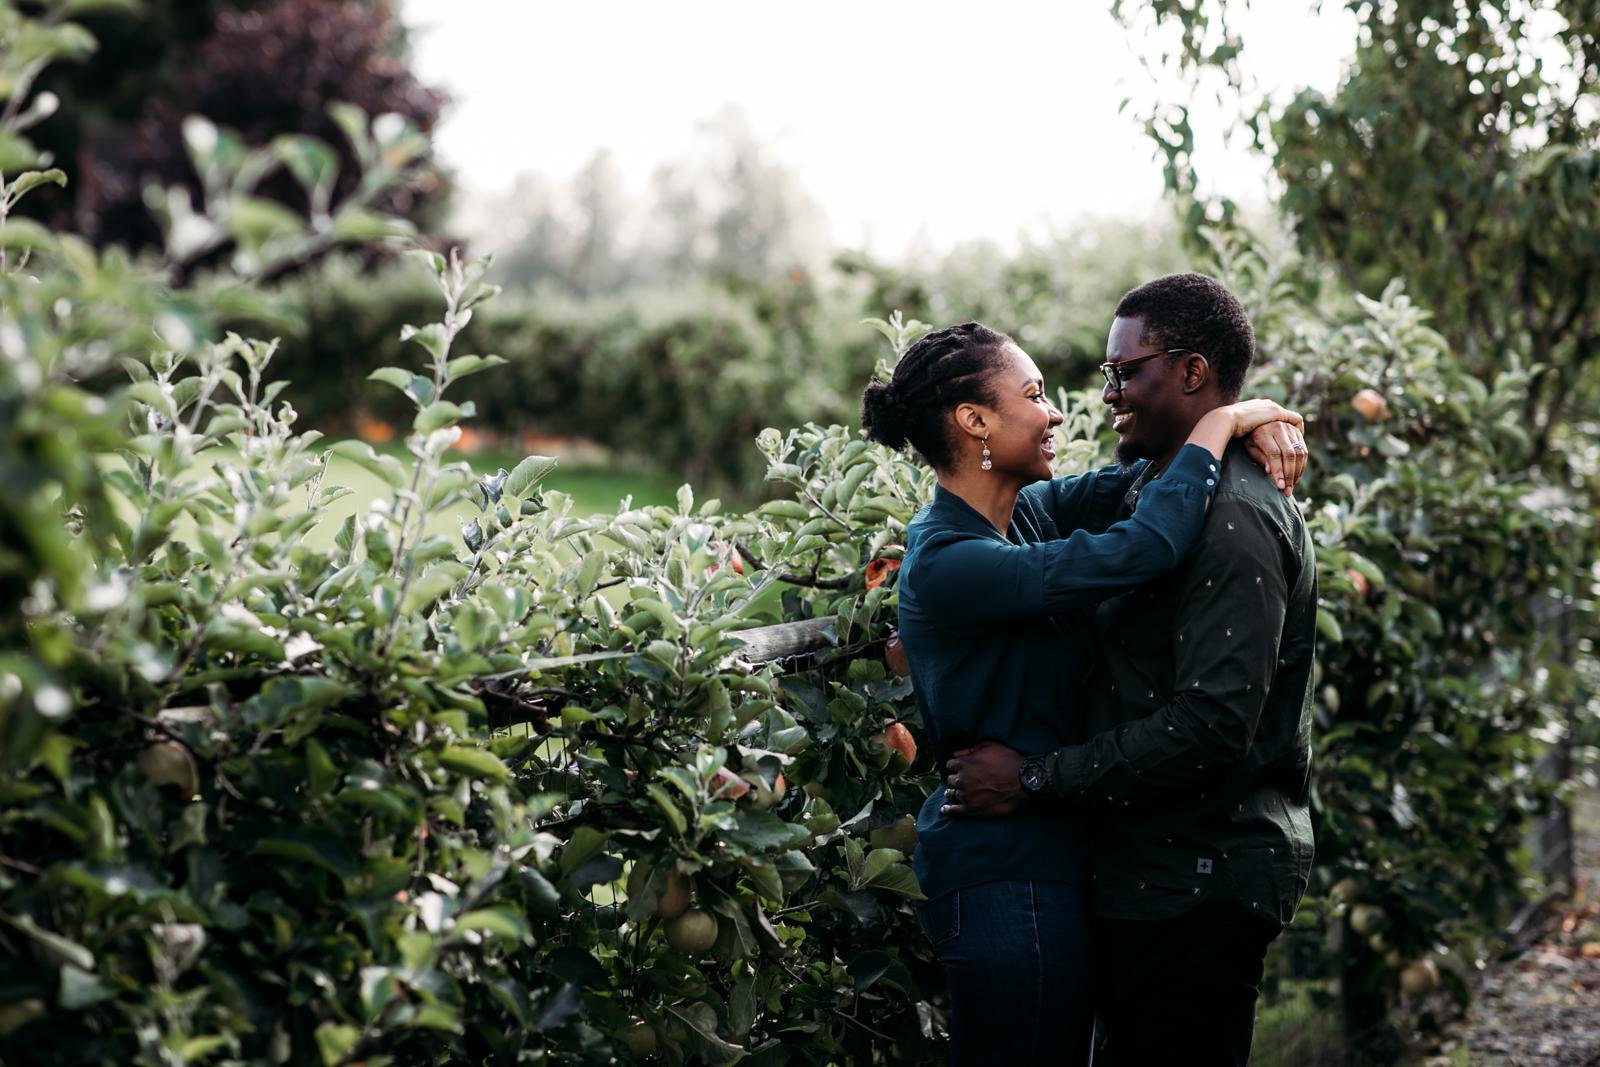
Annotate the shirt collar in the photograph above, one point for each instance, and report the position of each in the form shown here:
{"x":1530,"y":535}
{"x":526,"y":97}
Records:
{"x":952,"y":509}
{"x":1150,"y":472}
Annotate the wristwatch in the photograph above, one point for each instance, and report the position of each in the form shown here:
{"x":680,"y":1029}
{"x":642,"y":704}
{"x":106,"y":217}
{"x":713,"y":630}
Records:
{"x":1034,"y":775}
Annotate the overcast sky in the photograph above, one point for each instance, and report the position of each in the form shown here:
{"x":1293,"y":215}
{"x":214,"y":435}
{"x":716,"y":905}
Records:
{"x":928,"y":122}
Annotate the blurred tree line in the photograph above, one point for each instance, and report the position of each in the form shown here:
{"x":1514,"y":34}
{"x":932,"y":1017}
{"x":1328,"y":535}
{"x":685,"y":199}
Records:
{"x":727,"y":207}
{"x":679,"y":369}
{"x":667,"y":324}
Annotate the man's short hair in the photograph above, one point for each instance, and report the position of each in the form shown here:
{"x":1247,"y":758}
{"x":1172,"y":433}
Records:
{"x":1195,"y":311}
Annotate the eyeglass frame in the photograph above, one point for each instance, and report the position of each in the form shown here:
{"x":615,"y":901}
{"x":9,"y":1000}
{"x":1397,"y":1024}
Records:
{"x":1113,"y":371}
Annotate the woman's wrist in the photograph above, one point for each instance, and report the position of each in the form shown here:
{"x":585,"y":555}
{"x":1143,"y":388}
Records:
{"x":1226,"y":420}
{"x":1214,"y":430}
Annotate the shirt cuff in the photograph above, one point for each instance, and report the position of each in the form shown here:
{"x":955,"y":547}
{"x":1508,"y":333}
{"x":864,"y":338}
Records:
{"x":1068,"y":770}
{"x":1197,"y":467}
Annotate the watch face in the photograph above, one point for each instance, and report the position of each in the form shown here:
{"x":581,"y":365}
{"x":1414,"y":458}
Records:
{"x":1033,"y":775}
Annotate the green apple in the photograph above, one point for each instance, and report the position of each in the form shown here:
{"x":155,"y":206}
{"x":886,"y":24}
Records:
{"x":693,"y":932}
{"x":900,"y":835}
{"x":639,"y":1036}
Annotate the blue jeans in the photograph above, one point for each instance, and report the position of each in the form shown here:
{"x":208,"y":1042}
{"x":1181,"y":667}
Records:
{"x":1017,"y":958}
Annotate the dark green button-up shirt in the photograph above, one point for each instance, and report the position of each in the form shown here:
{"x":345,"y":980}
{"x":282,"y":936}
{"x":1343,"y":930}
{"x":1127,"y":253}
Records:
{"x":991,"y":652}
{"x":1197,"y":777}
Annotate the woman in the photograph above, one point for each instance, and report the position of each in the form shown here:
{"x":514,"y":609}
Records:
{"x":987,"y":568}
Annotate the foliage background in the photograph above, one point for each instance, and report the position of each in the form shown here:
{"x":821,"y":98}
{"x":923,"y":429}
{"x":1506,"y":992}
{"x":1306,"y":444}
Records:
{"x":404,"y":795}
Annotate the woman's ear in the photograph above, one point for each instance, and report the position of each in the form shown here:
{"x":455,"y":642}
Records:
{"x":970,"y":420}
{"x":1196,"y":372}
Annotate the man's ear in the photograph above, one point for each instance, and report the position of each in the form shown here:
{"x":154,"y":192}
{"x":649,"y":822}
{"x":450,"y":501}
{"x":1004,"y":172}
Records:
{"x":970,"y":420}
{"x":1196,"y":372}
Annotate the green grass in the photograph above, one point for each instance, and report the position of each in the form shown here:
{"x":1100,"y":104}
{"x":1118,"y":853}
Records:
{"x":1297,"y":1031}
{"x":594,"y":490}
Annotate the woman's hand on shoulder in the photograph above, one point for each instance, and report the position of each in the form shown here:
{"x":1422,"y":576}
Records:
{"x":1250,"y":414}
{"x":1280,"y":448}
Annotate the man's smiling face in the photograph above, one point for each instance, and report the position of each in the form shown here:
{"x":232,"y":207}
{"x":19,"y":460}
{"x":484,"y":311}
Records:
{"x":1149,"y":412}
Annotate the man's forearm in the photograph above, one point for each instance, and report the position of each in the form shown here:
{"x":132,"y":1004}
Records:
{"x":1190,"y":742}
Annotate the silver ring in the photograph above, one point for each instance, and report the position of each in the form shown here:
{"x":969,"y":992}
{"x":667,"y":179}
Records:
{"x":1297,"y":448}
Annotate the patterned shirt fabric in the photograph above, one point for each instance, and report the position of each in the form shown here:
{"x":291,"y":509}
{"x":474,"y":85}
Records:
{"x":1197,"y":775}
{"x":983,"y":617}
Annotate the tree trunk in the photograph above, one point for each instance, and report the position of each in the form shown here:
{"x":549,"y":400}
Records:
{"x":1552,"y":833}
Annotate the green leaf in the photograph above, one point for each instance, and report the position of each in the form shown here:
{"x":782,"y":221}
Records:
{"x":761,"y":831}
{"x":885,"y":871}
{"x":476,"y":762}
{"x":558,"y":1007}
{"x":74,"y":8}
{"x":398,"y":377}
{"x":527,"y":474}
{"x":386,"y":467}
{"x":465,"y":365}
{"x":676,"y":817}
{"x":336,"y":1041}
{"x":352,"y":122}
{"x":586,"y":842}
{"x":320,"y":769}
{"x":784,"y":509}
{"x":19,"y":1013}
{"x":25,"y":235}
{"x":356,"y":224}
{"x":309,"y":846}
{"x":32,"y":179}
{"x":500,"y":921}
{"x":700,"y":1020}
{"x":253,"y":221}
{"x":151,"y":393}
{"x":765,"y":877}
{"x":439,"y":414}
{"x":314,"y":164}
{"x":433,"y":584}
{"x":432,"y":337}
{"x":1328,"y":626}
{"x":18,"y":153}
{"x":742,"y":1006}
{"x":79,"y":989}
{"x":59,"y":950}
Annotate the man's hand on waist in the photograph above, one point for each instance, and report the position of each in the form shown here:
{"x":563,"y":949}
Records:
{"x":983,"y":782}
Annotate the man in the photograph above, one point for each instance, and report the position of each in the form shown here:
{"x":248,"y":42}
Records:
{"x":1197,"y":774}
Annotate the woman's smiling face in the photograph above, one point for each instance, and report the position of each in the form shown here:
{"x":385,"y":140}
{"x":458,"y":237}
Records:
{"x":1021,"y":442}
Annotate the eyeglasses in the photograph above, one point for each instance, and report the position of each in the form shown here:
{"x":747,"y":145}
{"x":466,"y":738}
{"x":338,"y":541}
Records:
{"x":1114,"y":371}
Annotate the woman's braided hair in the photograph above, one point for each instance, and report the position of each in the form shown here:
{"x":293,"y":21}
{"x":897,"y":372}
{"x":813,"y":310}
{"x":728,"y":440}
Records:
{"x":943,"y":369}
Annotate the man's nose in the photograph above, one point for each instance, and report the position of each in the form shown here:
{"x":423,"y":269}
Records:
{"x":1109,"y":393}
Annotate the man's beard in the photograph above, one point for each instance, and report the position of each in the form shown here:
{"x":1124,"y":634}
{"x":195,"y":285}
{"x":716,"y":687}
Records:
{"x":1128,"y":453}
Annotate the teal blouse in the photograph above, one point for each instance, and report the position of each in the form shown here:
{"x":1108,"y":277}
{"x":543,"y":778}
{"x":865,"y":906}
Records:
{"x":999,"y":647}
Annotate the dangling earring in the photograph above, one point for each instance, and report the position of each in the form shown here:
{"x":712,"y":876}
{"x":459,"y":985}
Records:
{"x":987,"y":464}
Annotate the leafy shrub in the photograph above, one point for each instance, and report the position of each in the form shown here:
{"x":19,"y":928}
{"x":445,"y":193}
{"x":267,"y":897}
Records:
{"x":1441,"y":565}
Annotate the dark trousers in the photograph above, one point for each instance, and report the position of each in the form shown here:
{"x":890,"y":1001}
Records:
{"x":1017,"y":958}
{"x":1179,"y":992}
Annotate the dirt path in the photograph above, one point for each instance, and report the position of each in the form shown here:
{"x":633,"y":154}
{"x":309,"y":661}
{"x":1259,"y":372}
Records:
{"x":1542,"y":1009}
